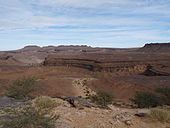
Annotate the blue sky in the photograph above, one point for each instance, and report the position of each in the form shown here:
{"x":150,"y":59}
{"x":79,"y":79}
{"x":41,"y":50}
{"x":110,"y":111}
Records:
{"x":102,"y":23}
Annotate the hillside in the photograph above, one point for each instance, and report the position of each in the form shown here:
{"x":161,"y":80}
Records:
{"x":68,"y":70}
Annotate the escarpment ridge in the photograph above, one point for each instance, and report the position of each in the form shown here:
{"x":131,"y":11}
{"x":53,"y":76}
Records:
{"x":132,"y":60}
{"x":114,"y":60}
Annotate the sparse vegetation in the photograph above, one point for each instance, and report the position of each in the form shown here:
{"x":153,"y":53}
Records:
{"x":146,"y":100}
{"x":102,"y":98}
{"x":165,"y":92}
{"x":22,"y":88}
{"x":33,"y":115}
{"x":45,"y":103}
{"x":160,"y":115}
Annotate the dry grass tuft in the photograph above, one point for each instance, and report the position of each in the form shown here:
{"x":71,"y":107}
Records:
{"x":160,"y":115}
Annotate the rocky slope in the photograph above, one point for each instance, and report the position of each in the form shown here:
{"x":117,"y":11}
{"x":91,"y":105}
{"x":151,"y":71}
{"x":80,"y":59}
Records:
{"x":115,"y":117}
{"x":92,"y":117}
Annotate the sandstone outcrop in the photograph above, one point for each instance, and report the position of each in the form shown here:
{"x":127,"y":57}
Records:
{"x":94,"y":65}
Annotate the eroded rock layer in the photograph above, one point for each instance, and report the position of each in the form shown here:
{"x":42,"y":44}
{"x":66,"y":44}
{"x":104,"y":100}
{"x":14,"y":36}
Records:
{"x":125,"y":61}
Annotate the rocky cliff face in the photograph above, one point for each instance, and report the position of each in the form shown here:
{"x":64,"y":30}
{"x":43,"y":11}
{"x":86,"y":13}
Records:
{"x":156,"y":47}
{"x":114,"y":60}
{"x":98,"y":66}
{"x":127,"y":67}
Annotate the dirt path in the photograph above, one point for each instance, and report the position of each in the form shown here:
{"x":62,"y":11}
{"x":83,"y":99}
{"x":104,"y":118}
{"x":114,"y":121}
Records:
{"x":81,"y":88}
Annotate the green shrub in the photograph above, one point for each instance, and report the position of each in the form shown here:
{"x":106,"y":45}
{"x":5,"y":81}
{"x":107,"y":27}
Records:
{"x":31,"y":115}
{"x":165,"y":92}
{"x":21,"y":88}
{"x":146,"y":100}
{"x":102,"y":98}
{"x":160,"y":115}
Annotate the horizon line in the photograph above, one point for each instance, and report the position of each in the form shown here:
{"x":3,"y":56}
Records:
{"x":79,"y":45}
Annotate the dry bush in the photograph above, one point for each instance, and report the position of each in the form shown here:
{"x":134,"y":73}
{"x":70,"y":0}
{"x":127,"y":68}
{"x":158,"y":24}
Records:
{"x":45,"y":103}
{"x":37,"y":114}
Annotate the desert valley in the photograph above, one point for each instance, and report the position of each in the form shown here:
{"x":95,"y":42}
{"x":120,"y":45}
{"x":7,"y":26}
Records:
{"x":121,"y":71}
{"x":80,"y":71}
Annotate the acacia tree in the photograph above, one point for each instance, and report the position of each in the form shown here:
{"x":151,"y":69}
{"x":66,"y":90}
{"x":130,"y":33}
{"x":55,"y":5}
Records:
{"x":102,"y":98}
{"x":146,"y":100}
{"x":22,"y":88}
{"x":165,"y":92}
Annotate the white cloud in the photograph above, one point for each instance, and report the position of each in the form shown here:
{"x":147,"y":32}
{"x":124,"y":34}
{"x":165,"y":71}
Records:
{"x":85,"y":20}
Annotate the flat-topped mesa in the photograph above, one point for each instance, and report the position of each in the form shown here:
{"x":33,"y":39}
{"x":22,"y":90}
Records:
{"x":34,"y":48}
{"x":156,"y":47}
{"x":30,"y":48}
{"x":73,"y":46}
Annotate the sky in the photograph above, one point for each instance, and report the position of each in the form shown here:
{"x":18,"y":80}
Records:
{"x":97,"y":23}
